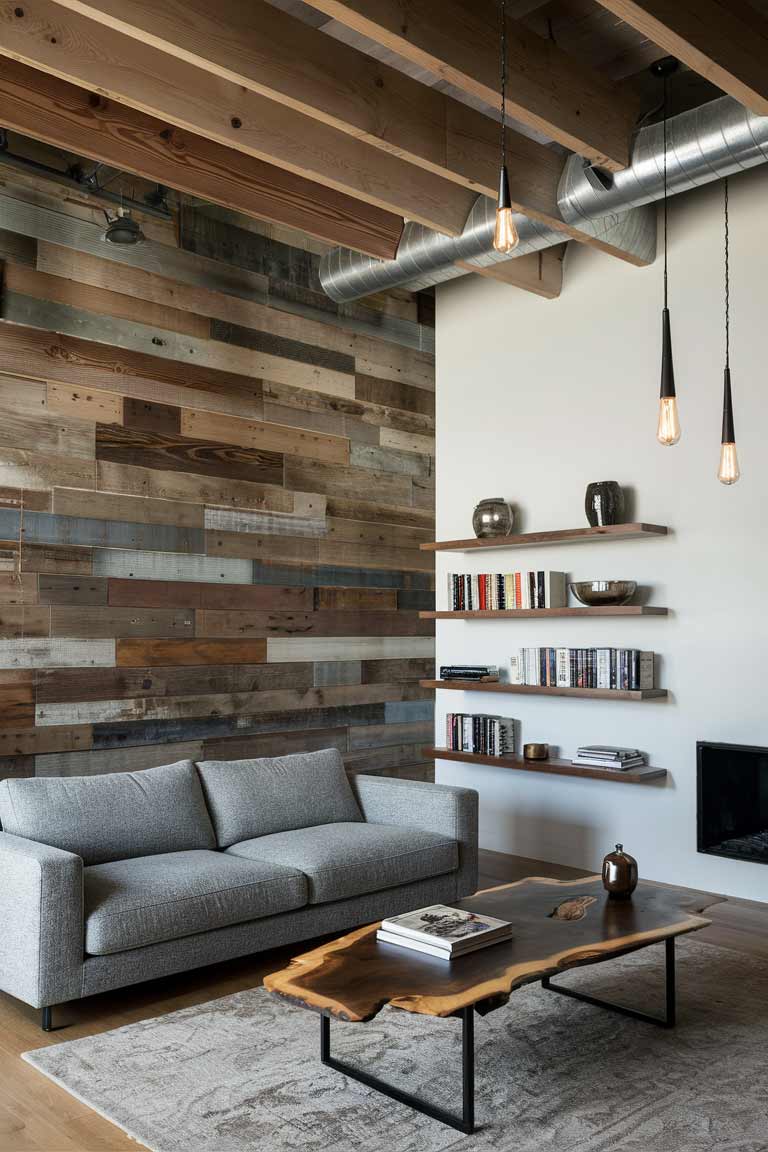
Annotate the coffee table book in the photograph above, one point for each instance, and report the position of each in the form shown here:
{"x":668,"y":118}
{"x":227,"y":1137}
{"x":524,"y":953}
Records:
{"x":443,"y":931}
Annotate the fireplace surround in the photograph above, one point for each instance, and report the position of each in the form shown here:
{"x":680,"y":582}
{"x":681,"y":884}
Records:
{"x":732,"y":801}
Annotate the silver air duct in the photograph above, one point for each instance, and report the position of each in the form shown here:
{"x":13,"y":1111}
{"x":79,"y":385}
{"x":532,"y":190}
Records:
{"x":703,"y":145}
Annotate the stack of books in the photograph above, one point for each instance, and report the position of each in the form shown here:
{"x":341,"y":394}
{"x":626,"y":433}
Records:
{"x":480,"y":672}
{"x":480,"y":733}
{"x":443,"y":932}
{"x":608,"y":756}
{"x":492,"y":591}
{"x":613,"y":668}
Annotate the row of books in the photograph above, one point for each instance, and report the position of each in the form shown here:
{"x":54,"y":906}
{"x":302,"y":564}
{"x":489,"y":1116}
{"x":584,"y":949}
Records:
{"x":609,"y":756}
{"x":443,"y":932}
{"x":612,"y":668}
{"x":492,"y":591}
{"x":485,"y":734}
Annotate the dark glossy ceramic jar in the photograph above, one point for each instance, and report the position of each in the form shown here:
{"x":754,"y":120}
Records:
{"x":604,"y":503}
{"x":494,"y":517}
{"x":619,"y":874}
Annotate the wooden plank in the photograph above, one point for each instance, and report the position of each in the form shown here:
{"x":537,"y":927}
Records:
{"x":184,"y":454}
{"x":72,"y":590}
{"x":391,"y":460}
{"x":407,"y":441}
{"x":274,"y":744}
{"x":260,"y":48}
{"x":106,"y":303}
{"x":31,"y":470}
{"x":357,"y":419}
{"x":349,"y":482}
{"x":395,"y":671}
{"x":74,"y":685}
{"x":380,"y":735}
{"x":725,"y":42}
{"x":256,"y":434}
{"x":284,"y":648}
{"x":18,"y":588}
{"x":368,"y":532}
{"x":356,"y":599}
{"x":116,"y":506}
{"x":22,"y":396}
{"x":14,"y":497}
{"x":18,"y":249}
{"x":46,"y":528}
{"x":215,"y":705}
{"x":68,"y":117}
{"x":129,"y":565}
{"x":372,"y":556}
{"x":607,"y":532}
{"x":324,"y":623}
{"x":138,"y":653}
{"x":17,"y":700}
{"x":287,"y":549}
{"x":350,"y":509}
{"x":538,"y":272}
{"x":336,"y":576}
{"x":219,"y":110}
{"x":265,"y":523}
{"x":49,"y":434}
{"x":115,"y":760}
{"x":146,"y":416}
{"x":394,"y":394}
{"x":25,"y":622}
{"x":55,"y":653}
{"x":225,"y":597}
{"x":59,"y":560}
{"x":84,"y":403}
{"x":548,"y":90}
{"x":77,"y":621}
{"x":35,"y":741}
{"x":192,"y":487}
{"x":275,"y":345}
{"x":334,"y":672}
{"x":86,"y":364}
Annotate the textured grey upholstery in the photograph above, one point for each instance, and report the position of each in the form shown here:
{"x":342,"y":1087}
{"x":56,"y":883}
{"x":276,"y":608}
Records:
{"x":41,"y":921}
{"x":131,"y":903}
{"x":439,"y":808}
{"x":113,"y":817}
{"x":248,"y":798}
{"x":343,"y":860}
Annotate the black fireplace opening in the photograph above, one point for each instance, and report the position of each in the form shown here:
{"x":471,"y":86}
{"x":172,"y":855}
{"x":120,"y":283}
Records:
{"x":733,"y":801}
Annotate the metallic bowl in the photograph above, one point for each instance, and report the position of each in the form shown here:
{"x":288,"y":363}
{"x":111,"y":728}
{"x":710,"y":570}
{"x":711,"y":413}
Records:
{"x":596,"y":592}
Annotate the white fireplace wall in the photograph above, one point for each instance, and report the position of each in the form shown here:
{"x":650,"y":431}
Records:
{"x":537,"y":398}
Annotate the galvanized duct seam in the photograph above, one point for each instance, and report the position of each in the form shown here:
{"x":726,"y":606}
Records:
{"x":704,"y":144}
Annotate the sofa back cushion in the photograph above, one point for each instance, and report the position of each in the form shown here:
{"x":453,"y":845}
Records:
{"x":115,"y":817}
{"x":250,"y":798}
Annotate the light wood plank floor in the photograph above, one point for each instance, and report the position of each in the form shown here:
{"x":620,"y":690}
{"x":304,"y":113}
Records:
{"x":36,"y":1115}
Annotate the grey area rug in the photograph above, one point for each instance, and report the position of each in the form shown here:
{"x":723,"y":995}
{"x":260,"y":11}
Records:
{"x":243,"y":1072}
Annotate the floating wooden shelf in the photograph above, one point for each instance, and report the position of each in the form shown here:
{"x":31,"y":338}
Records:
{"x":531,"y":613}
{"x":552,"y":767}
{"x":562,"y":536}
{"x":531,"y":690}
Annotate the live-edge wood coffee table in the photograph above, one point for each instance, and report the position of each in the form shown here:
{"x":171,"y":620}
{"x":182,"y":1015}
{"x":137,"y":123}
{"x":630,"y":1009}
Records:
{"x":557,"y":925}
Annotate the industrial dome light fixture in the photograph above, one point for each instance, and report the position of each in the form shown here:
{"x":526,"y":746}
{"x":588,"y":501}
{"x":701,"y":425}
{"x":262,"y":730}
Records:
{"x":123,"y":229}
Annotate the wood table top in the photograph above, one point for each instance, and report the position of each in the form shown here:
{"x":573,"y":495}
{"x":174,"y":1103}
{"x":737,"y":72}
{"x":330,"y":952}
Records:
{"x":557,"y":925}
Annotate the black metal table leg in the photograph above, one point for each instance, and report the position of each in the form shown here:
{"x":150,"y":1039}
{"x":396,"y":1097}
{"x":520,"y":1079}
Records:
{"x":670,"y":1013}
{"x":464,"y":1123}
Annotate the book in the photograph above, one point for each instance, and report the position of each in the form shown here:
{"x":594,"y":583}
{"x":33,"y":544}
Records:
{"x":480,"y":733}
{"x":451,"y":930}
{"x":609,"y":669}
{"x":494,"y":591}
{"x":434,"y":949}
{"x":469,"y":672}
{"x":609,"y":756}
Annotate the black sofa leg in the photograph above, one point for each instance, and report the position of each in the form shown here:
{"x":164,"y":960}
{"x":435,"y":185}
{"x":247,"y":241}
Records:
{"x":46,"y":1022}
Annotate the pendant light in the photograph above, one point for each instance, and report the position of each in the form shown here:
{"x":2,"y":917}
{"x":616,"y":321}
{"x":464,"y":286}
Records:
{"x":728,"y":472}
{"x":505,"y":236}
{"x":668,"y":430}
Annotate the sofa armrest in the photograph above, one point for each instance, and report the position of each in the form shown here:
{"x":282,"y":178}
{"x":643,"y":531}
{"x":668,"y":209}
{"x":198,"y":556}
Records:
{"x":438,"y":808}
{"x":41,"y":921}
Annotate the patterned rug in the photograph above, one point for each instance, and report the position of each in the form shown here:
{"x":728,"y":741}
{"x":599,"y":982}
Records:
{"x":242,"y":1074}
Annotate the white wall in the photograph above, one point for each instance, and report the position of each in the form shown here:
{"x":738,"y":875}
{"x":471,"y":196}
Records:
{"x":537,"y":398}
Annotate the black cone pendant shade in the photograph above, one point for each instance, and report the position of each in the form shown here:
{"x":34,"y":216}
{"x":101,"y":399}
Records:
{"x":668,"y":431}
{"x":728,"y":472}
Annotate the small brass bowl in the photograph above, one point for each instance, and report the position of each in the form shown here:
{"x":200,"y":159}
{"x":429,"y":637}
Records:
{"x":535,"y":751}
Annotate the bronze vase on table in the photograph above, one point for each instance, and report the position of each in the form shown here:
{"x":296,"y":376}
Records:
{"x":619,"y":874}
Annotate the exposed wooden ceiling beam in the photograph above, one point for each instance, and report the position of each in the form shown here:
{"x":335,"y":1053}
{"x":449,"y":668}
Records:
{"x":538,"y":272}
{"x":725,"y":41}
{"x":547,"y":89}
{"x":276,"y":55}
{"x":74,"y":48}
{"x":69,"y":117}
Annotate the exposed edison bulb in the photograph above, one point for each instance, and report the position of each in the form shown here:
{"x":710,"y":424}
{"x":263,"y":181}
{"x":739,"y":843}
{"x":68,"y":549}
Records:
{"x":668,"y":431}
{"x":505,"y":236}
{"x":728,"y":472}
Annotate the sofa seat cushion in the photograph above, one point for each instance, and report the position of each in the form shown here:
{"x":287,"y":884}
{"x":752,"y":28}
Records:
{"x":111,"y":817}
{"x":348,"y":859}
{"x":250,"y":798}
{"x":131,"y":903}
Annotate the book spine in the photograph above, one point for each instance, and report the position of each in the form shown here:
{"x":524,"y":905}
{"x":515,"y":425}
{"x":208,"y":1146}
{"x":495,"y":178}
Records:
{"x":516,"y":670}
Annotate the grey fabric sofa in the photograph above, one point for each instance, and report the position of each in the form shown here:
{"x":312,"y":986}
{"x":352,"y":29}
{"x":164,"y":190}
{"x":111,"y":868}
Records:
{"x":106,"y":881}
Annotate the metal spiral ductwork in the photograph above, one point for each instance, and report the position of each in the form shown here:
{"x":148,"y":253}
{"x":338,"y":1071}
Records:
{"x":704,"y":144}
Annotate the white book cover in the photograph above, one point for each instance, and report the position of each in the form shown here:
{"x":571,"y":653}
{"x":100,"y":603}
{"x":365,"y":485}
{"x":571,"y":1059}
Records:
{"x":563,"y":667}
{"x":434,"y":949}
{"x":516,"y":675}
{"x":555,"y":590}
{"x":444,"y":926}
{"x":603,"y":668}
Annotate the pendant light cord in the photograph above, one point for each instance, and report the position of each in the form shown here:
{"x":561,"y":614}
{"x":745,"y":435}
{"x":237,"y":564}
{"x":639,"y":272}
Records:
{"x":727,"y":283}
{"x":666,"y":209}
{"x":503,"y":8}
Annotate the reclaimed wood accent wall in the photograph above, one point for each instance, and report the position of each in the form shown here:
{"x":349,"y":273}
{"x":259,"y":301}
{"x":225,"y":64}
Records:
{"x":214,"y":484}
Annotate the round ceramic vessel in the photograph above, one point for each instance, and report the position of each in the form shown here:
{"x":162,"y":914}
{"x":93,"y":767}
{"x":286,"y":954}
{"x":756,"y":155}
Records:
{"x":493,"y":517}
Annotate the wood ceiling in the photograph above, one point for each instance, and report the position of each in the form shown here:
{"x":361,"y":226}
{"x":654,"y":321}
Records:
{"x":347,"y":116}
